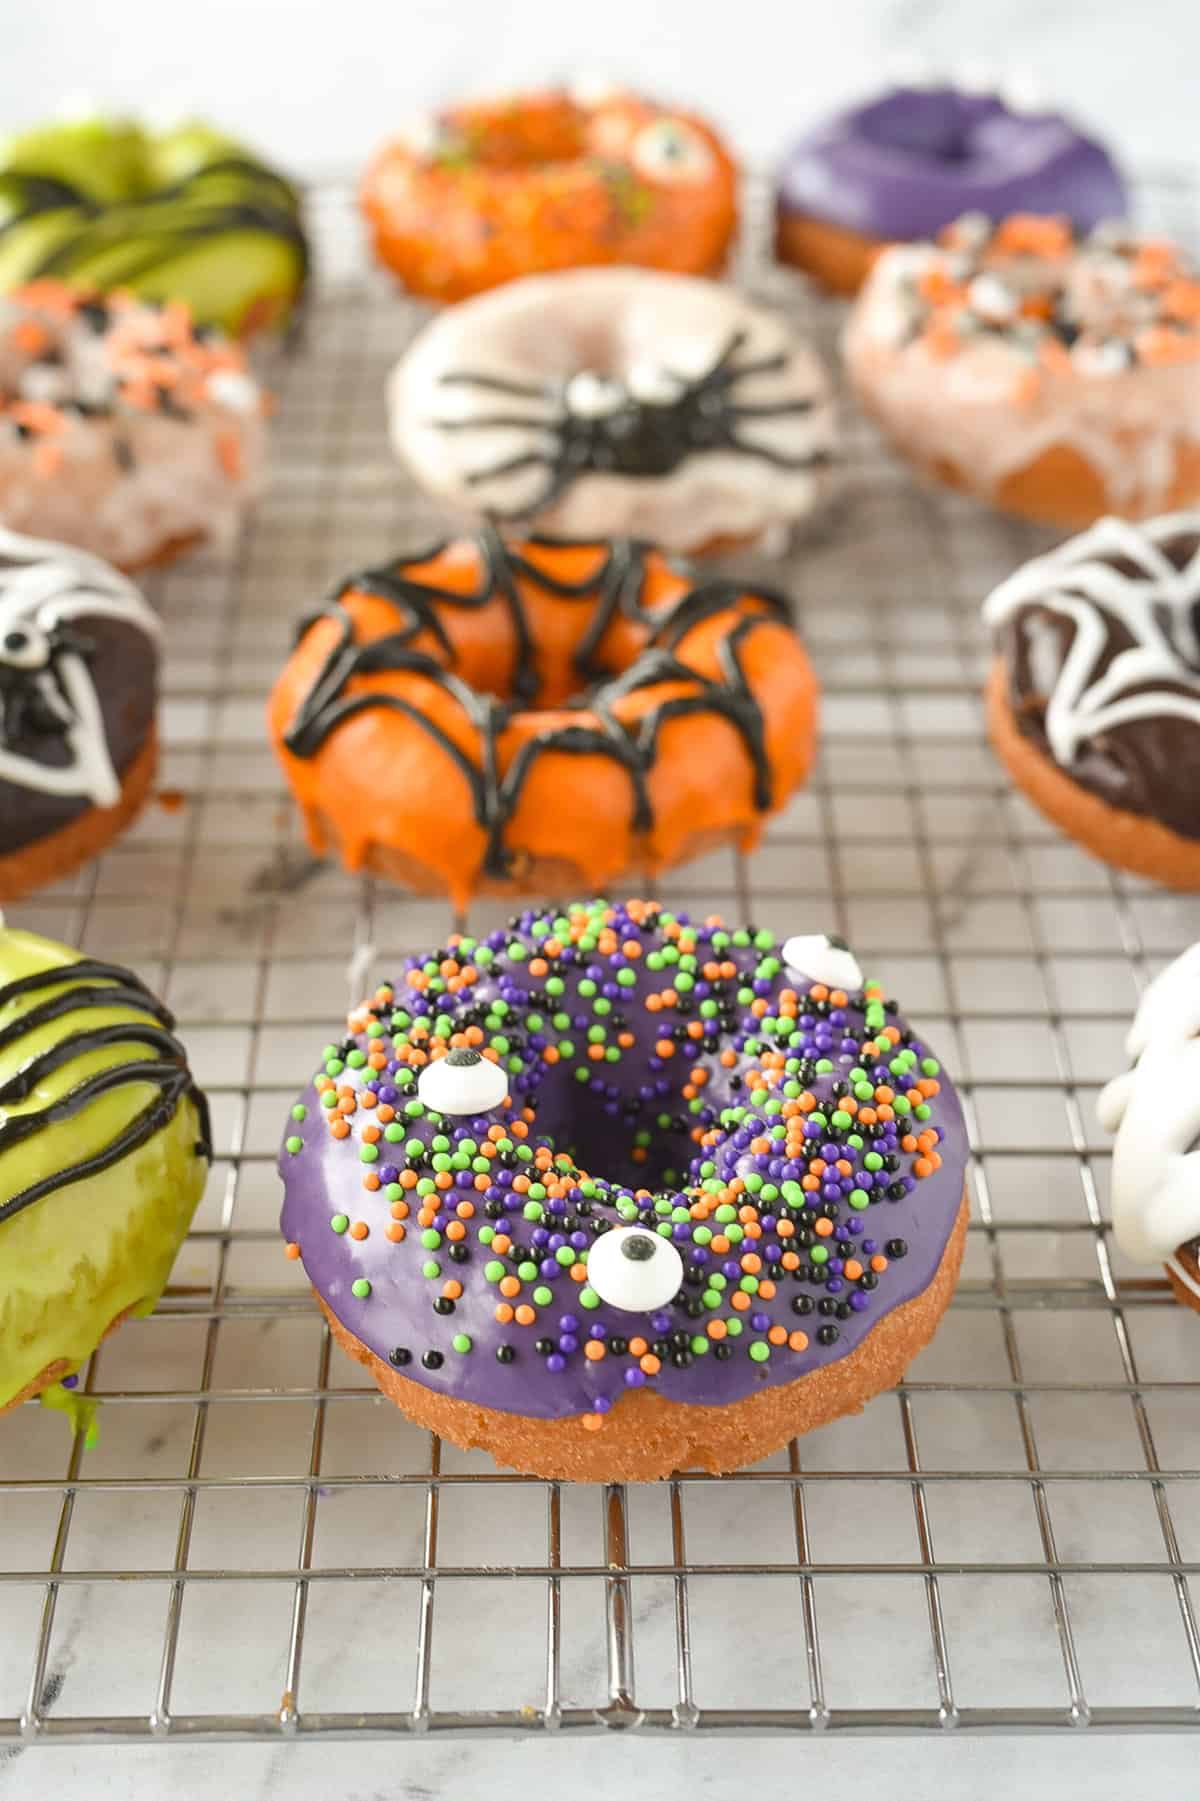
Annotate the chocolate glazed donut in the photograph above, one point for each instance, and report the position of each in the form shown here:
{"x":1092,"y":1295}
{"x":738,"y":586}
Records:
{"x":78,"y":694}
{"x":1094,"y":698}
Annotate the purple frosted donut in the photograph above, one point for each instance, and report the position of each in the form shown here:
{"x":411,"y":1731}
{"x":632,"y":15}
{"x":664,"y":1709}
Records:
{"x":904,"y":165}
{"x":771,"y":1228}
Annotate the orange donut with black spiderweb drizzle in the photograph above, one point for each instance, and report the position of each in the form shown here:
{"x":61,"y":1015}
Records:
{"x":540,"y":716}
{"x":482,"y":193}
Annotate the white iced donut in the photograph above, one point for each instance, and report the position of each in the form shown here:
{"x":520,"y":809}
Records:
{"x":1047,"y":374}
{"x":124,"y":430}
{"x":606,"y":403}
{"x":1154,"y":1109}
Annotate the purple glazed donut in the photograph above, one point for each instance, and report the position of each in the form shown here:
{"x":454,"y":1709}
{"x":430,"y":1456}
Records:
{"x":772,"y":1227}
{"x":904,"y":165}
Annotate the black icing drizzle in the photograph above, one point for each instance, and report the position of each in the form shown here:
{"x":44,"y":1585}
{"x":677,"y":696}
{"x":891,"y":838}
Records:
{"x":641,"y":438}
{"x":169,"y":219}
{"x":617,"y":589}
{"x":167,"y":1070}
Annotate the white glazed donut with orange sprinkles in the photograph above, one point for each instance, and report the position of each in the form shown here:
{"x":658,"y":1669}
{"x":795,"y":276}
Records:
{"x":124,"y":429}
{"x":1052,"y":376}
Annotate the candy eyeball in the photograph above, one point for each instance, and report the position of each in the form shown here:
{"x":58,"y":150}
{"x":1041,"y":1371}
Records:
{"x":671,"y":151}
{"x":462,"y":1082}
{"x":24,"y":646}
{"x":652,"y":385}
{"x":592,"y":396}
{"x":823,"y":958}
{"x":420,"y":134}
{"x":590,"y":89}
{"x":237,"y":392}
{"x":634,"y":1269}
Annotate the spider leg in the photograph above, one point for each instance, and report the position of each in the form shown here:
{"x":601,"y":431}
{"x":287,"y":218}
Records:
{"x":781,"y":409}
{"x":488,"y":421}
{"x":695,"y":384}
{"x":560,"y":477}
{"x":497,"y":384}
{"x":725,"y":375}
{"x":525,"y":459}
{"x":724,"y":358}
{"x":812,"y":459}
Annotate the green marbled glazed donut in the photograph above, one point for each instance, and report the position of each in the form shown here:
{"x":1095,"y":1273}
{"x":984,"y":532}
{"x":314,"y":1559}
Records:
{"x":186,"y":215}
{"x":104,"y":1153}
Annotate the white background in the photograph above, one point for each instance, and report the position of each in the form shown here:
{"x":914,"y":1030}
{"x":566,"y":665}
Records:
{"x":318,"y":85}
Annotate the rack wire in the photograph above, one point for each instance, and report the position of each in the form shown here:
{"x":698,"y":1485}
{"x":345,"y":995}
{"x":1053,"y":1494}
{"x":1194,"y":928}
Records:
{"x":260,"y":1547}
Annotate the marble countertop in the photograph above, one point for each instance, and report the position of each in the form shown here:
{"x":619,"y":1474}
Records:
{"x":605,"y":1769}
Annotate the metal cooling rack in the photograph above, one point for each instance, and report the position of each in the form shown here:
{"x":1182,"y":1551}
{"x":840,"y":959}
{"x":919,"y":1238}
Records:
{"x":260,"y":1547}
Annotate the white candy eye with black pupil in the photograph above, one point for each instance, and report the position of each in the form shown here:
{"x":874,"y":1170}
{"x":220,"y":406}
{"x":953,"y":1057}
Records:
{"x":635,"y":1270}
{"x":591,"y":396}
{"x":670,"y":151}
{"x":823,"y":958}
{"x":24,"y":647}
{"x":462,"y":1082}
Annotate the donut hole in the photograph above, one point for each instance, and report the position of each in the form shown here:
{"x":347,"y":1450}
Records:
{"x":939,"y":125}
{"x":542,"y":130}
{"x":600,"y":1130}
{"x":561,"y":660}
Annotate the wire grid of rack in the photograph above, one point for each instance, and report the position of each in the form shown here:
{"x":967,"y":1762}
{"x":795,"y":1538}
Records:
{"x":261,"y":1547}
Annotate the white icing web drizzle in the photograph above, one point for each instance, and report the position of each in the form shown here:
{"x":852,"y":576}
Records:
{"x":1154,"y":1109}
{"x":44,"y":585}
{"x":1155,"y":606}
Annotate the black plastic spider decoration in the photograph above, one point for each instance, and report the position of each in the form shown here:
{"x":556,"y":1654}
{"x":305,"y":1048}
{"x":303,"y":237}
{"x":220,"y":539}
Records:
{"x":34,"y":702}
{"x":645,"y":428}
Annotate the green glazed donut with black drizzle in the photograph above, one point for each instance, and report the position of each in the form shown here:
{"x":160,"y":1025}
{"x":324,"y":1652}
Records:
{"x":188,"y":214}
{"x":104,"y":1152}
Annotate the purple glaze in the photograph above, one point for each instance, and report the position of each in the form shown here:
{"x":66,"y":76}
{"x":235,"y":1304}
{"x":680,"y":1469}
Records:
{"x":907,"y":164}
{"x":324,"y":1178}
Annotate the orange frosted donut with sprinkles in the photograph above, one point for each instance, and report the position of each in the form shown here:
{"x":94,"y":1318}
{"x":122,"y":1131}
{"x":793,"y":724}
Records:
{"x":124,"y":428}
{"x":1050,"y":375}
{"x":478,"y":194}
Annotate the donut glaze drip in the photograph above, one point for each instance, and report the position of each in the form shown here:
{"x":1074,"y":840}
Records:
{"x":793,"y":1142}
{"x":617,"y":588}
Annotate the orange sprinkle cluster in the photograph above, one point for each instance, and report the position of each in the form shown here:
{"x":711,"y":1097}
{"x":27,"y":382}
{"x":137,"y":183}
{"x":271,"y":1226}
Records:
{"x":154,"y":360}
{"x":1059,"y":300}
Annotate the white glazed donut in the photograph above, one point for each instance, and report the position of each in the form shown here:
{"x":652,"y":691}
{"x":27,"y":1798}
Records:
{"x":1154,"y":1109}
{"x":1049,"y":375}
{"x":124,"y":430}
{"x":616,"y":402}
